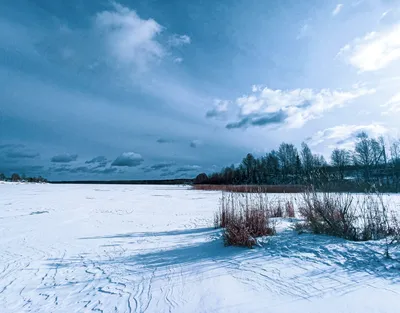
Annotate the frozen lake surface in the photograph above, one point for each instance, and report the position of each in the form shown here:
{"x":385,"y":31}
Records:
{"x":116,"y":248}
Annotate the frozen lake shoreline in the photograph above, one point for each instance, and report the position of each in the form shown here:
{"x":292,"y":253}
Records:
{"x":131,"y":248}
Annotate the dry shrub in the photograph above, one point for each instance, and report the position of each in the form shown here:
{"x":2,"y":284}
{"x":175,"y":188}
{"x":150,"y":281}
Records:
{"x":357,"y":218}
{"x":331,"y":214}
{"x":253,"y":188}
{"x":244,"y":217}
{"x":289,"y":209}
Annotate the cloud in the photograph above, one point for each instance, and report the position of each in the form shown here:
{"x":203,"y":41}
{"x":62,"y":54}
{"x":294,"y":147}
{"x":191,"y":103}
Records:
{"x":345,"y":135}
{"x":179,"y":40}
{"x":304,"y":30}
{"x":161,"y":166}
{"x":164,"y":140}
{"x":129,"y":38}
{"x":268,"y":119}
{"x":289,"y":108}
{"x":17,"y":151}
{"x":64,"y":158}
{"x":374,"y":51}
{"x":337,"y":9}
{"x":83,"y":170}
{"x":195,"y":143}
{"x":129,"y":159}
{"x":178,"y":60}
{"x":188,"y":168}
{"x":100,"y":160}
{"x":393,"y":105}
{"x":220,"y":108}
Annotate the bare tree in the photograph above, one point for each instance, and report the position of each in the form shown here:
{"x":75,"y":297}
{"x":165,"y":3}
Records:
{"x":340,"y":158}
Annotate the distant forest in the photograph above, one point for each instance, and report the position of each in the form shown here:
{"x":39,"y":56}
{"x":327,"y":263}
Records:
{"x":372,"y":163}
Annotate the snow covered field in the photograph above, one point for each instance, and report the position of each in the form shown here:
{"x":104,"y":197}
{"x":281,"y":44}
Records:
{"x":105,"y":248}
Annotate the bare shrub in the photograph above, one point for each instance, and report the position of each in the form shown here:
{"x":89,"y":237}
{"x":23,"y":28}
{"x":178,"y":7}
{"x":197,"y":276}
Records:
{"x":243,"y":217}
{"x":289,"y":209}
{"x":357,"y":218}
{"x":331,"y":214}
{"x":253,"y":188}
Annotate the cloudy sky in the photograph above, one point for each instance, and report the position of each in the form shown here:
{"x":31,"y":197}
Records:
{"x":139,"y":89}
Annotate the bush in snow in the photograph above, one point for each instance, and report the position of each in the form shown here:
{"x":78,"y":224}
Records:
{"x":357,"y":218}
{"x":244,"y":217}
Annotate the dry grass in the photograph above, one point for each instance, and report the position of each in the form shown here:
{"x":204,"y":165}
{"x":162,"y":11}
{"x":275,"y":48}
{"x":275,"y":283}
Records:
{"x":253,"y":188}
{"x":244,"y":217}
{"x":357,"y":218}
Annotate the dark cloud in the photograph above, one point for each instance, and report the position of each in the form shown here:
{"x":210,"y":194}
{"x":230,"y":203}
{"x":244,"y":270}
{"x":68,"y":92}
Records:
{"x":164,"y":140}
{"x":100,"y":161}
{"x":194,"y":143}
{"x":187,"y":168}
{"x":161,"y":166}
{"x":264,"y":120}
{"x":64,"y":158}
{"x":129,"y":159}
{"x":83,"y":170}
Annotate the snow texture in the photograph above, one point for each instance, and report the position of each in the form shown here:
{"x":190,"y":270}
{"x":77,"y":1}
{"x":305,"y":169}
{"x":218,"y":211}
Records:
{"x":105,"y":248}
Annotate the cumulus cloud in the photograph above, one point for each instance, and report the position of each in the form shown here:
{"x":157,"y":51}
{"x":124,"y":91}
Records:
{"x":64,"y":158}
{"x":129,"y":159}
{"x":337,"y":9}
{"x":345,"y":135}
{"x":187,"y":168}
{"x":129,"y":38}
{"x":374,"y":51}
{"x":289,"y":108}
{"x":393,"y":105}
{"x":219,"y":109}
{"x":179,"y":40}
{"x":134,"y":41}
{"x":99,"y":160}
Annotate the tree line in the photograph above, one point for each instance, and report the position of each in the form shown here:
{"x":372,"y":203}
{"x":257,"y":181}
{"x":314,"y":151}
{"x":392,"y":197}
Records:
{"x":17,"y":178}
{"x":372,"y":162}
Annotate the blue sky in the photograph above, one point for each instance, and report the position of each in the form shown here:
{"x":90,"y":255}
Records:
{"x":155,"y":89}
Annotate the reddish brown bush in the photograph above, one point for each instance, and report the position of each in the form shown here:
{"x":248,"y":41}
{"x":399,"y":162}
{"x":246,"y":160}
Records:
{"x":289,"y":208}
{"x":253,"y":188}
{"x":243,"y":217}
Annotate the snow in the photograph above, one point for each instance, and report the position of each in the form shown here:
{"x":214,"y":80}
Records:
{"x":116,"y":248}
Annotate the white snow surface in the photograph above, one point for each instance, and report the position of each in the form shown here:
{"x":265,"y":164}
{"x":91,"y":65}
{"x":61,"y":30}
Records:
{"x":126,"y":248}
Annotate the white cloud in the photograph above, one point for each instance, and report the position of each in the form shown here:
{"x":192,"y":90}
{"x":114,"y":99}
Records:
{"x":393,"y":105}
{"x":337,"y":10}
{"x":219,"y":109}
{"x":374,"y":51}
{"x":344,"y":136}
{"x":130,"y":39}
{"x":129,"y":159}
{"x":178,"y":60}
{"x":179,"y":40}
{"x":290,"y":108}
{"x":303,"y":31}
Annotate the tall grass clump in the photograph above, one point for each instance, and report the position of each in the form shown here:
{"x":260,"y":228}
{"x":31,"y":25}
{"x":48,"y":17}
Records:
{"x":360,"y":217}
{"x":244,"y":217}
